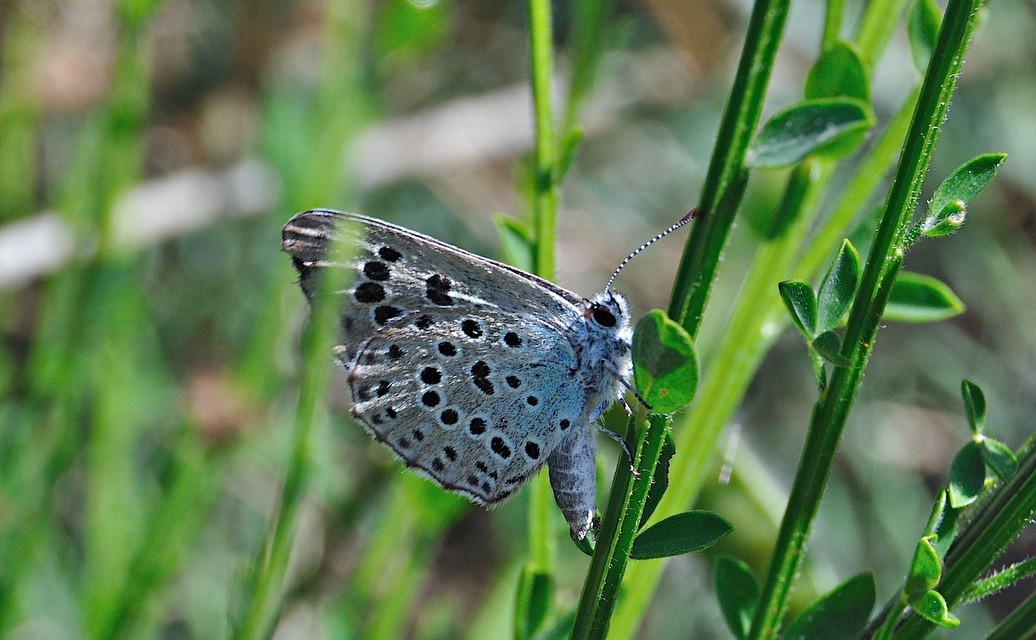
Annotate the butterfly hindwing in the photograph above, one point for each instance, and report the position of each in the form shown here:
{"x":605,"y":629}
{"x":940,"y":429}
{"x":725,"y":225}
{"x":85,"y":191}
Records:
{"x":476,"y":404}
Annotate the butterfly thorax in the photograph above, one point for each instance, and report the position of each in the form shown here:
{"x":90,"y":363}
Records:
{"x":602,"y":349}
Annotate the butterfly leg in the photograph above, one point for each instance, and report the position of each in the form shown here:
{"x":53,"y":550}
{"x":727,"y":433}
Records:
{"x":622,"y":443}
{"x":573,"y":476}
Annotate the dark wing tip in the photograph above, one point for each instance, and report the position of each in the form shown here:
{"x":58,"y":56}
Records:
{"x":306,"y":235}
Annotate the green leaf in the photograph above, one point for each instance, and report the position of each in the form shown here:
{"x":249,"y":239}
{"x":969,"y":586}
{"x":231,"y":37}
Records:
{"x":664,"y":364}
{"x":923,"y":29}
{"x":932,"y":606}
{"x":829,"y":347}
{"x":918,"y":298}
{"x":801,"y":305}
{"x":830,"y":127}
{"x":999,"y":458}
{"x":967,"y":180}
{"x":943,"y":525}
{"x":659,"y":479}
{"x":515,"y":241}
{"x":532,"y":601}
{"x":946,"y":221}
{"x":682,"y":533}
{"x":737,"y":593}
{"x":974,"y":406}
{"x":925,"y":567}
{"x":839,"y":72}
{"x":567,"y":152}
{"x":840,"y":613}
{"x":967,"y":475}
{"x":838,"y":287}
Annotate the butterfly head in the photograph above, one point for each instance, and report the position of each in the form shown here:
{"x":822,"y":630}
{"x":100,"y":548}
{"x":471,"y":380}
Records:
{"x":608,"y":312}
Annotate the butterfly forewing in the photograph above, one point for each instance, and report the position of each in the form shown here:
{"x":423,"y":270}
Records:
{"x":397,"y":271}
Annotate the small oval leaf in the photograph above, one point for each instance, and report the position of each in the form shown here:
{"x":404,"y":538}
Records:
{"x":932,"y":607}
{"x":840,"y":613}
{"x":682,"y":533}
{"x":967,"y":475}
{"x":838,"y":287}
{"x":918,"y":298}
{"x":839,"y":72}
{"x":974,"y":406}
{"x":945,"y":528}
{"x":925,"y":568}
{"x":999,"y":458}
{"x":801,"y":305}
{"x":737,"y":593}
{"x":831,"y":127}
{"x":967,"y":180}
{"x":664,"y":365}
{"x":829,"y":347}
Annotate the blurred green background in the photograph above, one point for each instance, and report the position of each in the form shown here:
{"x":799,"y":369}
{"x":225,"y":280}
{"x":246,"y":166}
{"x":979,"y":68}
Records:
{"x":150,"y":153}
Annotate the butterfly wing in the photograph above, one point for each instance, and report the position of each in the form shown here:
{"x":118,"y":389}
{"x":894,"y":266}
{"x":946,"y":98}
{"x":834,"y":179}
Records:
{"x":477,"y":404}
{"x":396,"y":270}
{"x":457,"y":363}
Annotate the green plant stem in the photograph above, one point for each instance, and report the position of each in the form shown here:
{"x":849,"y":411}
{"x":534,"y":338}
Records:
{"x":619,"y":528}
{"x":1000,"y":580}
{"x":544,"y":203}
{"x":544,"y":210}
{"x":883,"y":264}
{"x":725,"y":181}
{"x":878,"y":22}
{"x":832,"y":23}
{"x":263,"y":599}
{"x":329,"y":127}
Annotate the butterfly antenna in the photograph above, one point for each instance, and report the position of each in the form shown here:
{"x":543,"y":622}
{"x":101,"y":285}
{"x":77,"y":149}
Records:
{"x":681,"y":222}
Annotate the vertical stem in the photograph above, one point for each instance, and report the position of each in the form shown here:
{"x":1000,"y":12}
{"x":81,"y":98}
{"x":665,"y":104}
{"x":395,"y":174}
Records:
{"x":726,"y":179}
{"x":544,"y":209}
{"x":883,"y":264}
{"x":544,"y":204}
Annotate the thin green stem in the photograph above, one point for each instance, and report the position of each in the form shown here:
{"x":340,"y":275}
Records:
{"x":544,"y":204}
{"x":263,"y":598}
{"x":832,"y":23}
{"x":544,"y":211}
{"x":725,"y":181}
{"x":883,"y":264}
{"x":878,"y":22}
{"x":1000,"y":580}
{"x":619,"y":528}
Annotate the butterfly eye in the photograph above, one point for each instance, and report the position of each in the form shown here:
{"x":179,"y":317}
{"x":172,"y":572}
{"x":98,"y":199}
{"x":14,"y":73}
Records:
{"x":602,"y":316}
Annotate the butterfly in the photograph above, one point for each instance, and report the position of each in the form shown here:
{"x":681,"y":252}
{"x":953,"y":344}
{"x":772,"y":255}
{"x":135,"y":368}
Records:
{"x":473,"y":373}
